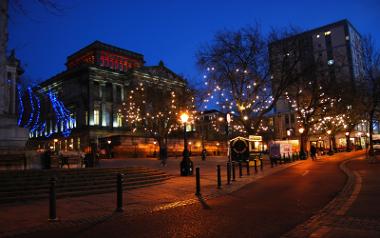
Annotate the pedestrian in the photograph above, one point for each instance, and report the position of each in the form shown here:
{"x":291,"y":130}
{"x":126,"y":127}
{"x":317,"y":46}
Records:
{"x":163,"y":156}
{"x":313,"y":152}
{"x":204,"y":153}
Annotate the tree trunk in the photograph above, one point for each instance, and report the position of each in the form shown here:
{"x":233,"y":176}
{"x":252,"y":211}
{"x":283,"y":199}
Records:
{"x":162,"y":144}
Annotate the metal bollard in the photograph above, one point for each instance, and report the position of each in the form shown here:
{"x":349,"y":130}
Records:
{"x":119,"y":191}
{"x":261,"y":164}
{"x":52,"y":200}
{"x":197,"y":182}
{"x":289,"y":160}
{"x":248,"y":172}
{"x":271,"y":162}
{"x":219,"y":178}
{"x":255,"y":160}
{"x":240,"y":170}
{"x":233,"y":172}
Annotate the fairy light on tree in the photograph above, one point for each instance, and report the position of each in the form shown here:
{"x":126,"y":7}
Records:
{"x":153,"y":110}
{"x":237,"y":76}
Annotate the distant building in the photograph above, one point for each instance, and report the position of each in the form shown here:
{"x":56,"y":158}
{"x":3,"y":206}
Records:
{"x":336,"y":51}
{"x":93,"y":88}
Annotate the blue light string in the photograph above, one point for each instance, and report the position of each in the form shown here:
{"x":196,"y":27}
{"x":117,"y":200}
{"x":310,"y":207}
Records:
{"x":37,"y":120}
{"x":20,"y":105}
{"x":31,"y":116}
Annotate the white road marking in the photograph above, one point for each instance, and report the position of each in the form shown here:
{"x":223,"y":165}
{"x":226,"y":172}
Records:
{"x":306,"y":172}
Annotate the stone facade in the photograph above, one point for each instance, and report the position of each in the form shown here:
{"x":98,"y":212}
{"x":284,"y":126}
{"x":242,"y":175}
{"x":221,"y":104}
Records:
{"x":93,"y":88}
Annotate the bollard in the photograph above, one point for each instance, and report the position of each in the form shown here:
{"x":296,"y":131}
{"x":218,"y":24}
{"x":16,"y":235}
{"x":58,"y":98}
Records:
{"x":255,"y":160}
{"x":219,"y":176}
{"x":119,"y":191}
{"x":233,"y":172}
{"x":240,"y":170}
{"x":248,"y":172}
{"x":280,"y":160}
{"x":271,"y":162}
{"x":289,"y":158}
{"x":261,"y":164}
{"x":197,"y":182}
{"x":228,"y":173}
{"x":52,"y":200}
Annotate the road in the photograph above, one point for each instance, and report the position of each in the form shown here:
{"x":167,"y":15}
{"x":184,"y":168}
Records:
{"x":267,"y":208}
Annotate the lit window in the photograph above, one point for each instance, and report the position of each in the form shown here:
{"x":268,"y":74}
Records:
{"x":327,"y":33}
{"x":330,"y":62}
{"x":118,"y":120}
{"x":96,"y":117}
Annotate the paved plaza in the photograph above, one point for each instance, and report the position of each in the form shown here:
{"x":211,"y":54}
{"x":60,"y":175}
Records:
{"x":353,"y":210}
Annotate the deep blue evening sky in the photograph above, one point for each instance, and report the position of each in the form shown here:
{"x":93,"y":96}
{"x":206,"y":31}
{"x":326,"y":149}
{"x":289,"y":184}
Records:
{"x":164,"y":29}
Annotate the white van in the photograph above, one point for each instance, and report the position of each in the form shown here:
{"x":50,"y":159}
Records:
{"x":376,"y":141}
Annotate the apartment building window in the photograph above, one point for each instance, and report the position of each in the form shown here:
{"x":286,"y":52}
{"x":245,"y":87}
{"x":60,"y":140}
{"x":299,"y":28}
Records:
{"x":96,"y":117}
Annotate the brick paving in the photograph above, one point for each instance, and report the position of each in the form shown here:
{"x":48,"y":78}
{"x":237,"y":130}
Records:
{"x":340,"y":218}
{"x":25,"y":217}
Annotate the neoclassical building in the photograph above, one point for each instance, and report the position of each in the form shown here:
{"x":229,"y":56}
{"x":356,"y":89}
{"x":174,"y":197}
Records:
{"x":93,"y":88}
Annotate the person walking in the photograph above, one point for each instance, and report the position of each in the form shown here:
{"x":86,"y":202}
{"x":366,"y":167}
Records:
{"x":313,"y":152}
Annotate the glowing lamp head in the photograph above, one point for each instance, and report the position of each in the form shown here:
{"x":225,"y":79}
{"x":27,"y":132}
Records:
{"x":184,"y":117}
{"x":347,"y":133}
{"x":329,"y":132}
{"x":55,"y":140}
{"x":301,"y":130}
{"x":109,"y":142}
{"x":154,"y":142}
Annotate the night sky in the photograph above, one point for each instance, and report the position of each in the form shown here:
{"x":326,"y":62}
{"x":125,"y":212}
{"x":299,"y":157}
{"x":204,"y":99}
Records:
{"x":163,"y":29}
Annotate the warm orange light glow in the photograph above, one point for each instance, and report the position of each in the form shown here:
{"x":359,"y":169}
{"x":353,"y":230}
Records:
{"x":184,"y":117}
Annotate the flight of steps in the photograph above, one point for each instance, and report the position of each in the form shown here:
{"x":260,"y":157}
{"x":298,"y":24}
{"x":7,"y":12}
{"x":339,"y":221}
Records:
{"x":18,"y":186}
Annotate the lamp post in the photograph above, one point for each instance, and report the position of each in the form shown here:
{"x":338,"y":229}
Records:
{"x":330,"y":149}
{"x":109,"y":149}
{"x":302,"y":151}
{"x":154,"y":149}
{"x":186,"y":164}
{"x":347,"y":141}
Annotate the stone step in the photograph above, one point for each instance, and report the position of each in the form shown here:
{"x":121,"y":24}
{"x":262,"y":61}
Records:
{"x":76,"y":182}
{"x":43,"y":173}
{"x":108,"y":189}
{"x":72,"y":178}
{"x":85,"y":185}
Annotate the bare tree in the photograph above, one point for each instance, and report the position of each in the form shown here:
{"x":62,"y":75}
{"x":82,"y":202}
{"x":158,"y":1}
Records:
{"x":371,"y":82}
{"x":238,"y":77}
{"x":154,"y":111}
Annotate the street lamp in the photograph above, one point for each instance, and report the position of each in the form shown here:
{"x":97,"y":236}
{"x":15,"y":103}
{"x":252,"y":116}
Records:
{"x":302,"y":151}
{"x":330,"y":150}
{"x":154,"y":149}
{"x":186,"y":164}
{"x":347,"y":141}
{"x":109,"y":149}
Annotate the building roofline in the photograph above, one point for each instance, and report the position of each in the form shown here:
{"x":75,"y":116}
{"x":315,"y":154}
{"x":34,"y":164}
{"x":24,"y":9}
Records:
{"x":318,"y":29}
{"x":99,"y":44}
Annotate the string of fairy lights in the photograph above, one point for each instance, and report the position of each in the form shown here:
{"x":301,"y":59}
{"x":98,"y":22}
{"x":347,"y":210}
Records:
{"x":252,"y":97}
{"x":35,"y":123}
{"x":141,"y":111}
